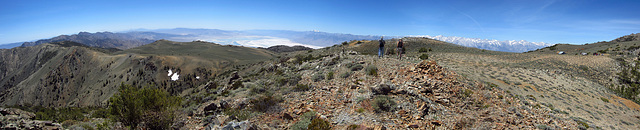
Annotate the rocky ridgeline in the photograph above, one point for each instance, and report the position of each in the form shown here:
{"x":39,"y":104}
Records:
{"x":283,"y":48}
{"x":404,"y":94}
{"x":630,"y":37}
{"x":12,"y":118}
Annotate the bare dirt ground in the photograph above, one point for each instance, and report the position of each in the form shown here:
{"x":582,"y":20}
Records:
{"x":571,"y":85}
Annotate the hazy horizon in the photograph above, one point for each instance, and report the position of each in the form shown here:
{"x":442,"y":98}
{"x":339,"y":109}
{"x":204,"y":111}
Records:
{"x":549,"y":21}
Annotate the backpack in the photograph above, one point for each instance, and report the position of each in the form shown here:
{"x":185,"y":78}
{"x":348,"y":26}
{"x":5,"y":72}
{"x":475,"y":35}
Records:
{"x":381,"y":43}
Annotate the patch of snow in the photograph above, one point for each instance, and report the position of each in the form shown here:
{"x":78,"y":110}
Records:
{"x":490,"y":44}
{"x":175,"y":76}
{"x":170,"y":73}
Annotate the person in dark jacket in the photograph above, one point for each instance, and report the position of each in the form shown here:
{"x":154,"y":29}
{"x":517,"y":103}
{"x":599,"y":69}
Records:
{"x":381,"y":49}
{"x":400,"y":48}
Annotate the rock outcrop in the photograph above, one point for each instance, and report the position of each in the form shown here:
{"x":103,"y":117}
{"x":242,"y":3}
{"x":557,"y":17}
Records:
{"x":630,"y":37}
{"x":12,"y":118}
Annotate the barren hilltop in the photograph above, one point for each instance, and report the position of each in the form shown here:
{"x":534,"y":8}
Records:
{"x":436,"y":85}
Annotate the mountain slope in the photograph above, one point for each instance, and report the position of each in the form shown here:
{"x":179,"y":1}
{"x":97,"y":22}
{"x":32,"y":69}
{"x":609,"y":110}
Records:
{"x":104,"y":39}
{"x":65,"y":74}
{"x":630,"y":37}
{"x":226,"y":54}
{"x":624,"y":45}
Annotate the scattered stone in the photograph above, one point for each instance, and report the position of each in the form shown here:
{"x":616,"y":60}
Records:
{"x":381,"y":89}
{"x":12,"y":118}
{"x":436,"y":122}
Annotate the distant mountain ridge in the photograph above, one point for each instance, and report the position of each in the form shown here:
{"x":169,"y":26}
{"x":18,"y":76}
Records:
{"x":263,"y":38}
{"x":10,"y":45}
{"x":104,"y":39}
{"x":283,"y":48}
{"x":495,"y":45}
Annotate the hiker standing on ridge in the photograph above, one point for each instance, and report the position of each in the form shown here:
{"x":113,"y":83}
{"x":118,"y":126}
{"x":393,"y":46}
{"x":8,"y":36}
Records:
{"x":400,"y":49}
{"x":381,"y":49}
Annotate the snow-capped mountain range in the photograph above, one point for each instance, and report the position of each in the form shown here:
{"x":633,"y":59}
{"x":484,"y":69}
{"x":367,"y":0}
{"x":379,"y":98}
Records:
{"x":489,"y":44}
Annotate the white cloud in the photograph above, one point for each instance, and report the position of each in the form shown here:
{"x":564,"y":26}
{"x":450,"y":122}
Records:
{"x":169,"y":73}
{"x":252,"y":41}
{"x":272,"y":41}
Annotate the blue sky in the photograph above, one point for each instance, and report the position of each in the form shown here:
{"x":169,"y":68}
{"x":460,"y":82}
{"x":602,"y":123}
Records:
{"x":551,"y":21}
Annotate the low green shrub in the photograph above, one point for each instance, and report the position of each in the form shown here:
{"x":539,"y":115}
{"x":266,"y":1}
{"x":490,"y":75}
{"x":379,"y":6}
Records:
{"x":345,"y":75}
{"x":153,"y":106}
{"x":383,"y":103}
{"x":330,"y":75}
{"x":105,"y":125}
{"x":356,"y":67}
{"x":60,"y":114}
{"x":372,"y":70}
{"x":466,"y":93}
{"x":301,"y":87}
{"x":100,"y":113}
{"x":239,"y":114}
{"x":353,"y":127}
{"x":265,"y":101}
{"x":422,"y":50}
{"x":319,"y":124}
{"x":237,"y":84}
{"x":424,"y":56}
{"x":318,"y":77}
{"x":305,"y":121}
{"x":543,"y":127}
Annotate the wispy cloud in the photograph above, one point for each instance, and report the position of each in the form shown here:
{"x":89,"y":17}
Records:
{"x":625,"y":21}
{"x":474,"y":21}
{"x":604,"y":25}
{"x":543,"y":7}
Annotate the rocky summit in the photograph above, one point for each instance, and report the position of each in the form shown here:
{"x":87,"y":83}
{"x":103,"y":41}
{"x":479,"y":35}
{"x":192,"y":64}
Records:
{"x":401,"y":94}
